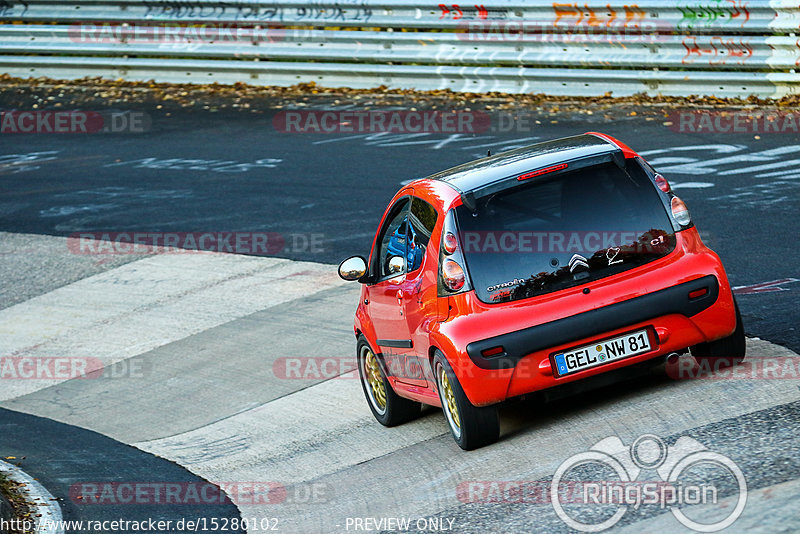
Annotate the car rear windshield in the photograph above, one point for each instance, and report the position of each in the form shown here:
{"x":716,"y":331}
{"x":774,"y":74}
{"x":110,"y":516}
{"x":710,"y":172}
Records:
{"x":563,"y":231}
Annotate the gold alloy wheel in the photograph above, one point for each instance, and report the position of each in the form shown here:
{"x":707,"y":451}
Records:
{"x":374,"y":377}
{"x":449,"y":401}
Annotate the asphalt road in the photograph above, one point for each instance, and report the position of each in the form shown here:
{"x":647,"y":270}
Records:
{"x":198,"y":172}
{"x":199,"y":337}
{"x":66,"y":459}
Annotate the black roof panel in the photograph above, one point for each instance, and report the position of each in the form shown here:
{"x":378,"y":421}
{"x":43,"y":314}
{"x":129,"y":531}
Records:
{"x":475,"y":174}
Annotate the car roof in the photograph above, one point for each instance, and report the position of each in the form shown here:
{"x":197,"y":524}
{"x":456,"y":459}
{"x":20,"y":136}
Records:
{"x":475,"y":175}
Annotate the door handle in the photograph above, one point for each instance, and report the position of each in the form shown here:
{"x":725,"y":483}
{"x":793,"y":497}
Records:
{"x":399,"y":295}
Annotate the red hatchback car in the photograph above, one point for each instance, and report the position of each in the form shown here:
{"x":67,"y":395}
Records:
{"x":527,"y":270}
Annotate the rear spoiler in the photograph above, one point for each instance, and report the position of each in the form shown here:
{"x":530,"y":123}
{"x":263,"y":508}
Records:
{"x":470,"y":199}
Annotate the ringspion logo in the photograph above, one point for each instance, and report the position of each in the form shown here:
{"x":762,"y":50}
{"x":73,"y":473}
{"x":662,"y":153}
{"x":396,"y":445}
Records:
{"x":621,"y":484}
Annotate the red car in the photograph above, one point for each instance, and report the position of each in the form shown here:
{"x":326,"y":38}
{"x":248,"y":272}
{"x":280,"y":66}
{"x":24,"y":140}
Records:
{"x":527,"y":270}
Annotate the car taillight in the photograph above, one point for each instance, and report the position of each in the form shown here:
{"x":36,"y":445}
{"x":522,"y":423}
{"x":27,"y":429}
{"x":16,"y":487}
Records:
{"x":450,"y":243}
{"x":680,"y":212}
{"x":540,"y":172}
{"x":453,"y":275}
{"x":662,"y":183}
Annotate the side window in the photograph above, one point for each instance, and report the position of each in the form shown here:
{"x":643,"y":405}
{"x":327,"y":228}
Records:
{"x":422,"y":220}
{"x":392,"y":240}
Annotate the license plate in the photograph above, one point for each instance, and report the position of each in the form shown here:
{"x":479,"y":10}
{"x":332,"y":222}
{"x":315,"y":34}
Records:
{"x":601,"y":352}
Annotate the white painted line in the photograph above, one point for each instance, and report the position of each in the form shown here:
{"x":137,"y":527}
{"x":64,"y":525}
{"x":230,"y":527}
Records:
{"x":691,"y":185}
{"x":146,"y":304}
{"x":46,"y":510}
{"x":307,"y":434}
{"x":764,"y":287}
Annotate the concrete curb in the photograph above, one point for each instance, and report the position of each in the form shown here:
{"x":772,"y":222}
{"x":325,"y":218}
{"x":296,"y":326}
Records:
{"x":45,"y":506}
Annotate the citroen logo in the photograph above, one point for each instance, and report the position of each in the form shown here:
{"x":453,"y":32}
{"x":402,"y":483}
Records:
{"x":578,"y":261}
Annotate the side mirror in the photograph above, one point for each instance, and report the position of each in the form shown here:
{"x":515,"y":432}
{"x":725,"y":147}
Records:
{"x":353,"y":269}
{"x":397,"y":264}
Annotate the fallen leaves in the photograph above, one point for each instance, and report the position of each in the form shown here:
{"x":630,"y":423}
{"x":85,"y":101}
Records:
{"x":44,"y":93}
{"x":13,"y":493}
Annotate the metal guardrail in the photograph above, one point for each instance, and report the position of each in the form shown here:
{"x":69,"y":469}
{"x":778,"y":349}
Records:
{"x":711,"y":47}
{"x":669,"y":51}
{"x":692,"y":15}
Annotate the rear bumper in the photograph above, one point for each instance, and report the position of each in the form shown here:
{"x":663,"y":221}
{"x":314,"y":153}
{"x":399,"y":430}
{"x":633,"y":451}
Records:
{"x":653,"y":297}
{"x":518,"y":344}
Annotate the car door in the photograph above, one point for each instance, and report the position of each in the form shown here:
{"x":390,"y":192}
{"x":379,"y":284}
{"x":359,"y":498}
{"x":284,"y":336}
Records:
{"x":386,"y":296}
{"x":420,"y":302}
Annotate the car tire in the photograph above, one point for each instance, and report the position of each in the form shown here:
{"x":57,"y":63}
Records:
{"x":388,"y":407}
{"x":471,"y":427}
{"x":723,"y":352}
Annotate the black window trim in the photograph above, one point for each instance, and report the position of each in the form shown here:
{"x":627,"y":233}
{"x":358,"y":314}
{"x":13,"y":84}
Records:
{"x":430,"y":237}
{"x":374,"y":268}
